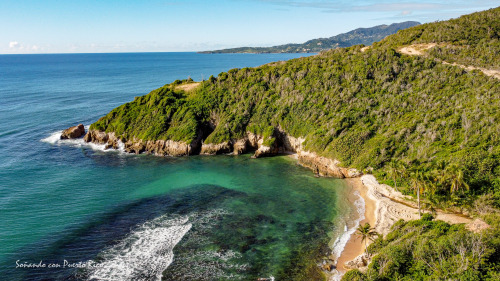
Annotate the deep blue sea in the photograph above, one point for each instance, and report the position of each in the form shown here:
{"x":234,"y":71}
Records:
{"x":69,"y":211}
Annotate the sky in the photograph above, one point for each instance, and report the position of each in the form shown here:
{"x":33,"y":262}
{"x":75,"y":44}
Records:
{"x":101,"y":26}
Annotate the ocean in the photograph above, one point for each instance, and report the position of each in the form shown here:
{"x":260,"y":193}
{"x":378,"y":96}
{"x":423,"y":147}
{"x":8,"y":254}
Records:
{"x":72,"y":211}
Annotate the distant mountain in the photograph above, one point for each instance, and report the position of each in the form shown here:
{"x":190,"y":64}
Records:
{"x":358,"y":36}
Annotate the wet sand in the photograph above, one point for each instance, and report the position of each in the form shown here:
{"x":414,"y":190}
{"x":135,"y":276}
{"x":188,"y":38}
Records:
{"x":355,"y":246}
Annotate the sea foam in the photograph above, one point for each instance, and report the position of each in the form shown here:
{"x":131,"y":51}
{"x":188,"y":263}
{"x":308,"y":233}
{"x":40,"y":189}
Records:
{"x":55,"y":139}
{"x":341,"y":242}
{"x":144,"y":253}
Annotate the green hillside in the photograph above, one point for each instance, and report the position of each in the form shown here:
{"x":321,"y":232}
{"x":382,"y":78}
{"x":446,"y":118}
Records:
{"x":364,"y":36}
{"x":409,"y":119}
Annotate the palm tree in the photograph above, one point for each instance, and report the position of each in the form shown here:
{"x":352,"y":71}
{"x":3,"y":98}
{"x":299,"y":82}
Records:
{"x":366,"y":232}
{"x":418,"y":180}
{"x":430,"y":183}
{"x":440,"y":175}
{"x":394,"y":172}
{"x":456,"y":179}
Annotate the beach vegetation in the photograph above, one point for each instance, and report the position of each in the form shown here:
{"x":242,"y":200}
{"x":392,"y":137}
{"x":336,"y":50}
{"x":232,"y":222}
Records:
{"x":366,"y":232}
{"x":434,"y":250}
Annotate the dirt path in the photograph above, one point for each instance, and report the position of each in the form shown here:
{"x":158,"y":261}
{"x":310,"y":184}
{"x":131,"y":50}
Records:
{"x":392,"y":206}
{"x":418,"y":50}
{"x":188,"y":87}
{"x":487,"y":72}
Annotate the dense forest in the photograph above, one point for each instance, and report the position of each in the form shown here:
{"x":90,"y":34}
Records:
{"x":358,"y":36}
{"x":413,"y":121}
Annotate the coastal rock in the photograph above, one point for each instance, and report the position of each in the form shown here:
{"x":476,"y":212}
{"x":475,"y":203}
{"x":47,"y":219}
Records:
{"x":328,"y":267}
{"x":73,"y":132}
{"x":240,"y":146}
{"x":213,"y":149}
{"x":168,"y":147}
{"x":257,"y":142}
{"x":99,"y":137}
{"x":137,"y":146}
{"x":290,"y":143}
{"x":321,"y":165}
{"x":353,"y":173}
{"x":283,"y":143}
{"x":357,"y":263}
{"x":254,"y":140}
{"x":263,"y":151}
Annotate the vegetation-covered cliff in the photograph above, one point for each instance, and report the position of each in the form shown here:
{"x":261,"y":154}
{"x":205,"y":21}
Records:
{"x":358,"y":36}
{"x":412,"y":119}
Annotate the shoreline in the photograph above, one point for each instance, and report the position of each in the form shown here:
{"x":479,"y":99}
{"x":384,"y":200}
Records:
{"x":354,"y":246}
{"x":384,"y":206}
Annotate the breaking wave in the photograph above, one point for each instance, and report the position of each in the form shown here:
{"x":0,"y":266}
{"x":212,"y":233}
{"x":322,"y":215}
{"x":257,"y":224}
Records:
{"x":55,"y":139}
{"x":341,"y":242}
{"x":143,"y":254}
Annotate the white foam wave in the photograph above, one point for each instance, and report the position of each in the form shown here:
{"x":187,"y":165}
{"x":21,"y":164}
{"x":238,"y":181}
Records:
{"x":55,"y":139}
{"x":145,"y":253}
{"x":341,"y":242}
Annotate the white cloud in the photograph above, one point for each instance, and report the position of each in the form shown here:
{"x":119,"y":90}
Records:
{"x":14,"y":45}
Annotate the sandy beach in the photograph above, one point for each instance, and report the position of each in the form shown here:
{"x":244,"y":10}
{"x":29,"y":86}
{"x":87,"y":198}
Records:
{"x":383,"y":207}
{"x":355,"y":246}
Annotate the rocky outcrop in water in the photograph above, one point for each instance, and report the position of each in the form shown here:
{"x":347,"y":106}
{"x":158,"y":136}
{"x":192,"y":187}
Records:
{"x":283,"y":143}
{"x":73,"y":132}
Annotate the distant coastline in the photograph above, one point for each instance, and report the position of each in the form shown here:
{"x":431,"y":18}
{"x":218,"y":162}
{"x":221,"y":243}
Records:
{"x":365,"y":36}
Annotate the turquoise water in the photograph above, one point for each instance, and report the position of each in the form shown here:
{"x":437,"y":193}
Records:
{"x":140,"y":217}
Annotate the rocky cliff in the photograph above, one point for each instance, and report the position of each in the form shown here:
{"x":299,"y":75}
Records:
{"x":283,"y":143}
{"x":137,"y":146}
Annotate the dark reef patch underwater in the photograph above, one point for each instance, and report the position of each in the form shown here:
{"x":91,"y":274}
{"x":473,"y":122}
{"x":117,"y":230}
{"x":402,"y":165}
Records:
{"x":275,"y":225}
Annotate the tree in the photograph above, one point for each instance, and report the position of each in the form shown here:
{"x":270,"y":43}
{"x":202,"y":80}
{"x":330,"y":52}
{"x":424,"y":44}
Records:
{"x":366,"y":232}
{"x":439,"y":175}
{"x":418,"y":182}
{"x":456,"y":179}
{"x":396,"y":170}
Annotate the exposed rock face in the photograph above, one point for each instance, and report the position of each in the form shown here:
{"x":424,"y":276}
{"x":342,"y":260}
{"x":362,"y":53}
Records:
{"x":321,"y":165}
{"x":102,"y":138}
{"x":263,"y":151}
{"x":137,"y":146}
{"x":325,"y":166}
{"x":73,"y":132}
{"x":283,"y":143}
{"x":213,"y":149}
{"x":240,"y":146}
{"x":358,"y":263}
